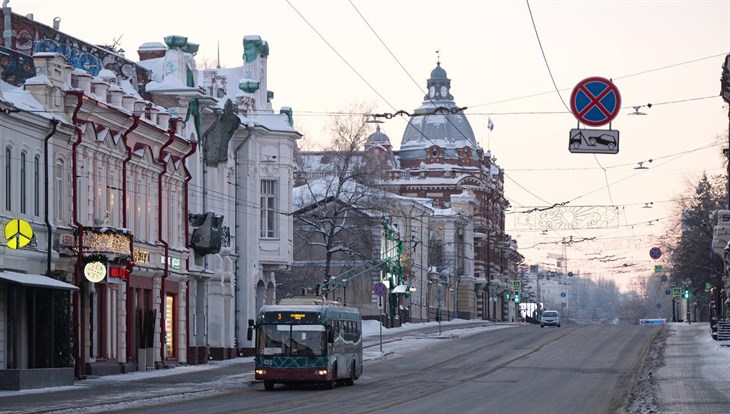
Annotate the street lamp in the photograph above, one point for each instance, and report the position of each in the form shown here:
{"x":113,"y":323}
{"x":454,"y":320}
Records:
{"x":344,"y":287}
{"x":333,"y":281}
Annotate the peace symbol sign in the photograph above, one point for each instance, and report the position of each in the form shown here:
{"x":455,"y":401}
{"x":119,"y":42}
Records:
{"x":18,"y":233}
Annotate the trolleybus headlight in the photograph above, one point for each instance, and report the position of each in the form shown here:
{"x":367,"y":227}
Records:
{"x":260,"y":371}
{"x":321,"y":372}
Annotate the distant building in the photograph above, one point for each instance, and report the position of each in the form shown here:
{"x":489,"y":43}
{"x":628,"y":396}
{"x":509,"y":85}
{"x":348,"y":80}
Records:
{"x":470,"y":259}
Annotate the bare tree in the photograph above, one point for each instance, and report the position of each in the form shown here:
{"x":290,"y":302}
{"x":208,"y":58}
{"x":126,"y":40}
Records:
{"x":334,"y":200}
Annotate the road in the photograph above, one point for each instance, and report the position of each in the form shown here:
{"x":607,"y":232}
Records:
{"x":572,"y":369}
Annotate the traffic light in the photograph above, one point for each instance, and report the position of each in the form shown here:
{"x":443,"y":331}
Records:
{"x":686,"y":294}
{"x":517,"y":297}
{"x":508,"y":295}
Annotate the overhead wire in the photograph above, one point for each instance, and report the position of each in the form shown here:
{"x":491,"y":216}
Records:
{"x":355,"y":70}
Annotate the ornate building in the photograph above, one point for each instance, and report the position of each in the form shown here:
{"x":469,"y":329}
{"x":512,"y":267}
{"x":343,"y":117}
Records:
{"x":440,"y":159}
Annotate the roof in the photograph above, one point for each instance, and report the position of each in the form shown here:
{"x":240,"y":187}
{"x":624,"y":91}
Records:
{"x":33,"y":280}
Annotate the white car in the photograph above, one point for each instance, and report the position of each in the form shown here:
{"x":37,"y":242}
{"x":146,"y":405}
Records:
{"x":550,"y":318}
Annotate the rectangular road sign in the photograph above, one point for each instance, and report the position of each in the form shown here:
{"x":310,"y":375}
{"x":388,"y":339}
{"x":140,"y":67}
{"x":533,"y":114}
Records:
{"x":593,"y":141}
{"x":676,"y":292}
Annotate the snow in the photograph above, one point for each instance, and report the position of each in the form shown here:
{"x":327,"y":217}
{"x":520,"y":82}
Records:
{"x":22,"y":99}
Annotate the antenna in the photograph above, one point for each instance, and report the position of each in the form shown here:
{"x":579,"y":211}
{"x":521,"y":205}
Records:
{"x":116,"y":42}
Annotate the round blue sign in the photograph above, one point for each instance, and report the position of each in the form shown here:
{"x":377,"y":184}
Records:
{"x":668,"y":292}
{"x":380,"y":289}
{"x":595,"y":101}
{"x":562,"y":294}
{"x":655,"y":253}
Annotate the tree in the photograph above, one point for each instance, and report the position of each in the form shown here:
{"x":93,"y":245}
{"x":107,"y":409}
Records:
{"x":334,"y":202}
{"x":690,"y":247}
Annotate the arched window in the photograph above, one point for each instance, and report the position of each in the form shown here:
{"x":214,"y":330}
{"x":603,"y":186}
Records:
{"x":8,"y":179}
{"x":37,"y":185}
{"x":59,"y":190}
{"x":23,"y":189}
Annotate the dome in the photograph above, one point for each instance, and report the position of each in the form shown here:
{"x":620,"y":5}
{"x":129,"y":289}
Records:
{"x":447,"y":130}
{"x":438,"y":72}
{"x":438,"y":121}
{"x":377,"y":138}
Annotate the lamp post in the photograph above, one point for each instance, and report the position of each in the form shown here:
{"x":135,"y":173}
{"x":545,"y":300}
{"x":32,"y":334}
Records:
{"x":344,"y":288}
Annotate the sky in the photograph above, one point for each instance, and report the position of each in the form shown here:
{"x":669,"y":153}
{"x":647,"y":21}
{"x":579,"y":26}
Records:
{"x":328,"y":57}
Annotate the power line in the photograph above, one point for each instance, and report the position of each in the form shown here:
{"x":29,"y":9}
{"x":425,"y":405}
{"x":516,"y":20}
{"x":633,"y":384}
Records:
{"x":542,"y":51}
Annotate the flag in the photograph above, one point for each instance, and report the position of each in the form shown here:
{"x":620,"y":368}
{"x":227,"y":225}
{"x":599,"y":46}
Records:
{"x":490,"y":124}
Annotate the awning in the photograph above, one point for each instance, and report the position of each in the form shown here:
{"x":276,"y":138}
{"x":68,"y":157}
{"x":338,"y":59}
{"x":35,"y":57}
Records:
{"x":40,"y":281}
{"x":400,"y":289}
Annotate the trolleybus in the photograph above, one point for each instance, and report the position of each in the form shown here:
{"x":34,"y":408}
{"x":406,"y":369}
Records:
{"x":307,"y":344}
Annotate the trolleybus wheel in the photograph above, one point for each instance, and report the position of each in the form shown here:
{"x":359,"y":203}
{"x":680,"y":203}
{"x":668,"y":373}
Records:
{"x":268,"y":385}
{"x":351,"y":380}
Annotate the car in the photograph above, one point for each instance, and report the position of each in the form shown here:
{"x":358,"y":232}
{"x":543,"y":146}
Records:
{"x":550,"y":318}
{"x":609,"y":141}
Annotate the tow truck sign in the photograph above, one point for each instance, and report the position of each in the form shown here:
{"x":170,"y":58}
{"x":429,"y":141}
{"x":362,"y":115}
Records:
{"x":593,"y":141}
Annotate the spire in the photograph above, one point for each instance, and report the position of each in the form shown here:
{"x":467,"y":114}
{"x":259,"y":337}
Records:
{"x":438,"y":57}
{"x":218,"y":66}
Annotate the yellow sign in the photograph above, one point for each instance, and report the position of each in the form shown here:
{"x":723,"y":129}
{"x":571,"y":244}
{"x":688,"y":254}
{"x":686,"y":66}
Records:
{"x":658,"y":269}
{"x":95,"y":272}
{"x":18,"y":233}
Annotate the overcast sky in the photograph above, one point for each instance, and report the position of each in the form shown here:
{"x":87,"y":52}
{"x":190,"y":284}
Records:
{"x":326,"y":56}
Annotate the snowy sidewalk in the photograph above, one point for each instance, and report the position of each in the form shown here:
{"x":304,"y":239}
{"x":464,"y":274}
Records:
{"x":695,"y":377}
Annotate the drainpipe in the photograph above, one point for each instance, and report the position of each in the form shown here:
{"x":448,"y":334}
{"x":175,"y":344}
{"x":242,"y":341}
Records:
{"x":8,"y":32}
{"x":161,"y":161}
{"x":49,"y":245}
{"x":130,"y":264}
{"x":77,"y":314}
{"x":54,"y":126}
{"x":237,"y":317}
{"x":188,"y":177}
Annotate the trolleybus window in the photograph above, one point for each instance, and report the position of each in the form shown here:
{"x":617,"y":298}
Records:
{"x":292,"y":340}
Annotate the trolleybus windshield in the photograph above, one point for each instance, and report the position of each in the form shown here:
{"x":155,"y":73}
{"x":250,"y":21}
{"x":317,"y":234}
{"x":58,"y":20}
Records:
{"x":284,"y":339}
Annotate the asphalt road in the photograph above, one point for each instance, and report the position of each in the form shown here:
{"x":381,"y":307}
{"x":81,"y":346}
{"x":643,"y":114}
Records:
{"x":572,"y":369}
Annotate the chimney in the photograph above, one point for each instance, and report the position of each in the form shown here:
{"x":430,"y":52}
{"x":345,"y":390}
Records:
{"x":151,"y":50}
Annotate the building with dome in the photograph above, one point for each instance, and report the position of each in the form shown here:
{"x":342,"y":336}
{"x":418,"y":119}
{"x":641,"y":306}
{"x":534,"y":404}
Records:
{"x":466,"y":261}
{"x":439,"y":159}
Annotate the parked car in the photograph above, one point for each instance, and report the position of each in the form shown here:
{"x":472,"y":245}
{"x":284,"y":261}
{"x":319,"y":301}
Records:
{"x":550,"y":318}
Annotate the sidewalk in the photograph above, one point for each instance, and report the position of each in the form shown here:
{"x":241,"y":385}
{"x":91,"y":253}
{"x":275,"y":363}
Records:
{"x":117,"y":391}
{"x":695,"y":377}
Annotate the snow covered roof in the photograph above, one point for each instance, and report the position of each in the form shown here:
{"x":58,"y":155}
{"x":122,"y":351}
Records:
{"x":22,"y":99}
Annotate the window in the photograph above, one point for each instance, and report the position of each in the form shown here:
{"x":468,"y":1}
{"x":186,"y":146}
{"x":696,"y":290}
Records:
{"x":37,"y":185}
{"x":8,"y":180}
{"x":59,"y":191}
{"x":268,"y":205}
{"x":23,"y":194}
